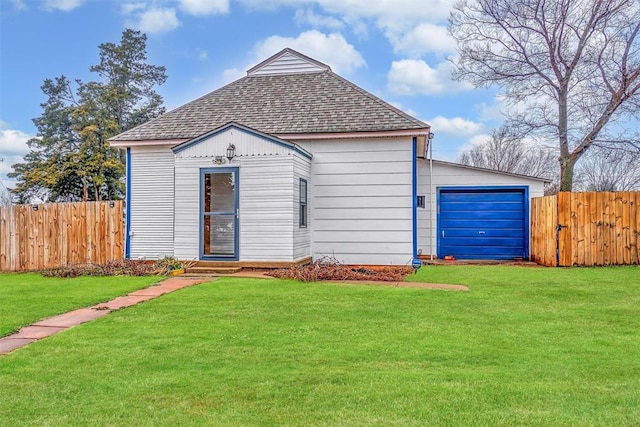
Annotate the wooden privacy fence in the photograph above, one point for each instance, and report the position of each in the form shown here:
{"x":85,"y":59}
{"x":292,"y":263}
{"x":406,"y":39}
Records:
{"x":33,"y":237}
{"x":585,"y":229}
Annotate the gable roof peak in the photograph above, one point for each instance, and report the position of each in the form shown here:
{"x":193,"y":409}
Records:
{"x":288,"y":61}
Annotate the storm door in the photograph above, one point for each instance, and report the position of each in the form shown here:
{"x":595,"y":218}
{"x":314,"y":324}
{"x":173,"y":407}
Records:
{"x":219,"y":214}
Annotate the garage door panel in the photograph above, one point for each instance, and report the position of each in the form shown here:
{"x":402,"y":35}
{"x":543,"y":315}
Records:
{"x":486,"y":223}
{"x":456,"y":224}
{"x":488,"y":232}
{"x":480,"y":215}
{"x":510,"y":242}
{"x":484,"y":197}
{"x":480,"y":206}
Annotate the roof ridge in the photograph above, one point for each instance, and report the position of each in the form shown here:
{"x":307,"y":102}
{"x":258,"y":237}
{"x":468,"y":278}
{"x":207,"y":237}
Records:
{"x":379,"y":100}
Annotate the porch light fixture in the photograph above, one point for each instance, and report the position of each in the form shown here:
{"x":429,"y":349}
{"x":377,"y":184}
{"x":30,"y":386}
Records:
{"x":231,"y":152}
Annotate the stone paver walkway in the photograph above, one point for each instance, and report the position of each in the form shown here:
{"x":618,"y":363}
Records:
{"x":53,"y":325}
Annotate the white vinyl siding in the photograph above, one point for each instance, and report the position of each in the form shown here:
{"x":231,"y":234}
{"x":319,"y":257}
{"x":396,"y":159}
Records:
{"x":449,"y":175}
{"x":247,"y":145}
{"x":360,"y":200}
{"x":151,"y":202}
{"x":287,"y":63}
{"x":301,"y":235}
{"x":265,"y":209}
{"x":267,"y":199}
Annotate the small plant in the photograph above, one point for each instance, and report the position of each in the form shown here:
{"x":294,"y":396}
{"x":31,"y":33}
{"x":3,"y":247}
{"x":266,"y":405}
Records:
{"x":328,"y":268}
{"x":168,"y":264}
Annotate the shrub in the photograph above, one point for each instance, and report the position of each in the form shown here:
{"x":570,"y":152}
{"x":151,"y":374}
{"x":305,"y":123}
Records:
{"x":122,"y":267}
{"x":327,"y":268}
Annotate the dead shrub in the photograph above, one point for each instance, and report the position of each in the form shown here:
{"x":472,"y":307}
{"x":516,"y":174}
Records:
{"x":123,"y":267}
{"x":328,"y":268}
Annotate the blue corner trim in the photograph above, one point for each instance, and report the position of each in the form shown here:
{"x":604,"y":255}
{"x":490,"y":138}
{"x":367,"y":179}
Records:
{"x":127,"y":239}
{"x":414,"y":192}
{"x":245,"y":129}
{"x":437,"y":230}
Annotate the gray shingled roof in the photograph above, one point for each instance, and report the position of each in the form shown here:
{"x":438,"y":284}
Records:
{"x":279,"y":104}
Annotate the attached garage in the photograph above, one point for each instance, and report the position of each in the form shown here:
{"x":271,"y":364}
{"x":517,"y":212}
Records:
{"x":483,"y":223}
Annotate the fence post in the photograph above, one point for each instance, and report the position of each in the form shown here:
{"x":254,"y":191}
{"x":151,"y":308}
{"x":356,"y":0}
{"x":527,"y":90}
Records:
{"x":563,"y":237}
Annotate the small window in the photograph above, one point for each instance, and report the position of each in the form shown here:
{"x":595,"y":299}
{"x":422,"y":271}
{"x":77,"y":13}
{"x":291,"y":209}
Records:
{"x":303,"y":202}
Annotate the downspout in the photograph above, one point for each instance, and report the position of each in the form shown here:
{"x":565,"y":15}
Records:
{"x":127,"y":238}
{"x":431,"y":195}
{"x":414,"y":193}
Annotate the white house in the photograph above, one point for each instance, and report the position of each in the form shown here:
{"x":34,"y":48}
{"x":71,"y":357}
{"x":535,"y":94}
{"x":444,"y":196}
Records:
{"x":292,"y":163}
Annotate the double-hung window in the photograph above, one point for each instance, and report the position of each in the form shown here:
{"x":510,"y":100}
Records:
{"x":303,"y":202}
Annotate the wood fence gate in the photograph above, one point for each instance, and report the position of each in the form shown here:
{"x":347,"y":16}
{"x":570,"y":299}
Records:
{"x":586,"y":229}
{"x":34,"y":237}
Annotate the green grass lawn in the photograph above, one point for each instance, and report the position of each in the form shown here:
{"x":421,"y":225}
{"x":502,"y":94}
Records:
{"x":28,"y":297}
{"x":525,"y":346}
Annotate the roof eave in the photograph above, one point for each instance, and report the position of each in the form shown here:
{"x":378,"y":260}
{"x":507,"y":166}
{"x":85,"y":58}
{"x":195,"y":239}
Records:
{"x":460,"y":165}
{"x":146,"y":142}
{"x":353,"y":135}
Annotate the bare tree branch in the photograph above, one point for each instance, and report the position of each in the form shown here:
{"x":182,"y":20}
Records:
{"x":576,"y":65}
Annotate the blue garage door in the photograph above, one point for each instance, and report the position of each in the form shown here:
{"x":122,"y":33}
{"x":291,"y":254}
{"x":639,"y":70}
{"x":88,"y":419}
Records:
{"x":488,"y":223}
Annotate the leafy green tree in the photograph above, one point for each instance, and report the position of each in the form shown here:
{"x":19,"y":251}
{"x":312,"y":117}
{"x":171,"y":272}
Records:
{"x":70,"y":158}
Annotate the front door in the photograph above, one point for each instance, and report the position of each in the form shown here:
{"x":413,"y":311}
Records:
{"x":219,"y":214}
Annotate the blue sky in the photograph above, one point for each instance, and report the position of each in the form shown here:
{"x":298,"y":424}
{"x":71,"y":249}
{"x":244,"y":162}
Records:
{"x":396,"y":49}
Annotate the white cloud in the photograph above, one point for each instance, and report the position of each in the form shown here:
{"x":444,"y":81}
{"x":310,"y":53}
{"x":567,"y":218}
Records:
{"x":397,"y":19}
{"x":416,"y":77}
{"x":331,"y":49}
{"x":204,"y":7}
{"x":13,"y":146}
{"x":19,"y":5}
{"x":388,"y":14}
{"x":63,"y":5}
{"x":478,"y":139}
{"x":129,"y":8}
{"x":488,"y":112}
{"x":308,"y":16}
{"x":455,"y":126}
{"x":232,"y":74}
{"x":13,"y":142}
{"x":202,"y":54}
{"x":410,"y":77}
{"x":157,"y":21}
{"x":424,"y":38}
{"x":409,"y":111}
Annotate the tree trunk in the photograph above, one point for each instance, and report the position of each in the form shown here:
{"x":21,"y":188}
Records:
{"x":85,"y":190}
{"x":567,"y":164}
